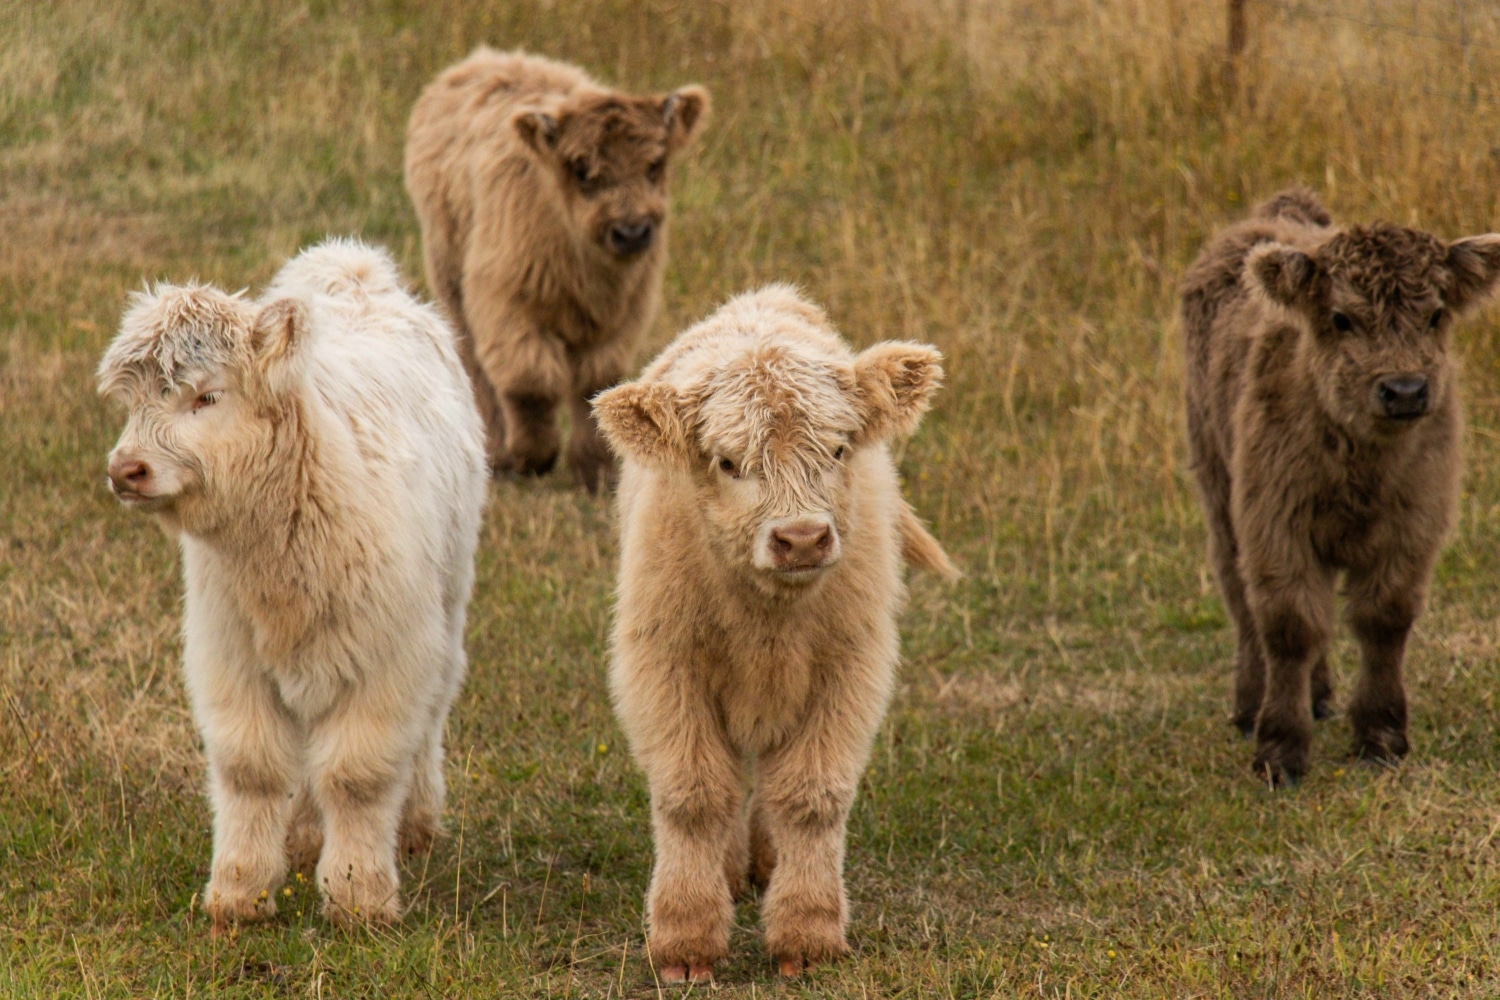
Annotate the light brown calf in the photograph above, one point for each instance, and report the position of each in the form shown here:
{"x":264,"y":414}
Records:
{"x":543,"y":202}
{"x":755,"y":637}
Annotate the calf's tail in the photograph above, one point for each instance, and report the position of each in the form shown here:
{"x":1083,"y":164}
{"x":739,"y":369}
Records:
{"x":921,"y":550}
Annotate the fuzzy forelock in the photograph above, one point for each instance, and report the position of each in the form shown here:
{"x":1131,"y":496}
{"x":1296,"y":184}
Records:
{"x":605,"y":124}
{"x":173,"y":335}
{"x":776,"y":410}
{"x":1389,"y":265}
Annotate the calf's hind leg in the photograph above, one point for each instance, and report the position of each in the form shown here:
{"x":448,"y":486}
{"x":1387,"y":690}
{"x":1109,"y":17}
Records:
{"x":1223,"y":554}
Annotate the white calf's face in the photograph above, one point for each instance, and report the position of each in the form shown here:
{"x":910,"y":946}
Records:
{"x":171,"y":440}
{"x":198,"y":372}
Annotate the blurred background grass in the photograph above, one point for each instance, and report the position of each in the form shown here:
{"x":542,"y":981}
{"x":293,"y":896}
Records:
{"x":1056,"y":805}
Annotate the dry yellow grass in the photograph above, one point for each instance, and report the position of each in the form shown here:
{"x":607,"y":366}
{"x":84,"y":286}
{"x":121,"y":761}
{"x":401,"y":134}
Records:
{"x":1056,"y":806}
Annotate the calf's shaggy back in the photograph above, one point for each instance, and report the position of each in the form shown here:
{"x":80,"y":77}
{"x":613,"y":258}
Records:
{"x":1324,"y":424}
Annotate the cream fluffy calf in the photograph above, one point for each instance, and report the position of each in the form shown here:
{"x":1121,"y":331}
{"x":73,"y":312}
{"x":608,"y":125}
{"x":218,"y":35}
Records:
{"x":763,"y":531}
{"x":319,"y":457}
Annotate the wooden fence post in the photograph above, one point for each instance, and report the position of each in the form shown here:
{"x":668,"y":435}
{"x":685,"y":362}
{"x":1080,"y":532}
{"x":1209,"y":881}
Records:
{"x":1235,"y":46}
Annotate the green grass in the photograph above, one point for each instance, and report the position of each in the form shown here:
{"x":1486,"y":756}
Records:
{"x":1056,"y":805}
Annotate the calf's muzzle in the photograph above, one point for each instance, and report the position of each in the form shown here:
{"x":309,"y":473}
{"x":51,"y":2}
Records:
{"x":1402,"y":396}
{"x":129,"y":477}
{"x":626,"y":238}
{"x":802,"y":543}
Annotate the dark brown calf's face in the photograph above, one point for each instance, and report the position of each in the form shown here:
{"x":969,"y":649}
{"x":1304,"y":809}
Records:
{"x":1379,"y":303}
{"x":610,"y":154}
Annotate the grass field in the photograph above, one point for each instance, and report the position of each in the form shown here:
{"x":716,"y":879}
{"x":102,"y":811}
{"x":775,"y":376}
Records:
{"x":1056,"y":806}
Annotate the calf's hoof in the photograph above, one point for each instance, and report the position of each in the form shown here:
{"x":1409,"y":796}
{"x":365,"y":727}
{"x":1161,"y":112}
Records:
{"x":1244,"y":722}
{"x":360,"y":897}
{"x":304,"y":845}
{"x":227,"y":906}
{"x":1381,"y":746}
{"x":789,"y":967}
{"x":524,"y":465}
{"x":596,"y":475}
{"x":692,"y":972}
{"x":419,"y":828}
{"x":1281,"y":759}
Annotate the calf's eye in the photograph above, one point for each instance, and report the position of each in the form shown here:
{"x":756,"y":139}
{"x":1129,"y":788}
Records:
{"x":838,"y":453}
{"x":205,"y":399}
{"x":580,"y":171}
{"x":1437,"y":317}
{"x":1342,"y":323}
{"x":728,"y":468}
{"x":653,"y":172}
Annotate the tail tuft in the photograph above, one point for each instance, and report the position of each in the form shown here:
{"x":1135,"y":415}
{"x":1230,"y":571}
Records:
{"x":921,"y":550}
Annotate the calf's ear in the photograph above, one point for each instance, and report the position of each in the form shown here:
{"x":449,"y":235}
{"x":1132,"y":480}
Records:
{"x":537,"y":129}
{"x":685,"y":112}
{"x":1474,"y":263}
{"x":645,"y":420}
{"x":1282,"y":274}
{"x":893,"y":387}
{"x":275,"y":337}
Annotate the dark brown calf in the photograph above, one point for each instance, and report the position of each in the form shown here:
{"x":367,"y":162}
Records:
{"x":1323,"y":425}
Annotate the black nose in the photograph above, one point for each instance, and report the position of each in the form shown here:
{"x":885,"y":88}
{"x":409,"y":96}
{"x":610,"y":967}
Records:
{"x":1404,"y":396}
{"x":631,"y":237}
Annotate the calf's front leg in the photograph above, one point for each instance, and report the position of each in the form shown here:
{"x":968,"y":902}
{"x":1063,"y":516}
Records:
{"x":697,"y":793}
{"x":360,"y":767}
{"x":1293,"y":617}
{"x":1382,"y":607}
{"x":252,"y":745}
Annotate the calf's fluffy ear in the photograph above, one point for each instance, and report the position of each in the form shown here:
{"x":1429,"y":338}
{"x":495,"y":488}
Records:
{"x":1283,"y":274}
{"x":279,"y":329}
{"x":893,"y":387}
{"x":684,"y":112}
{"x":645,"y":420}
{"x":537,"y":129}
{"x":1474,"y":263}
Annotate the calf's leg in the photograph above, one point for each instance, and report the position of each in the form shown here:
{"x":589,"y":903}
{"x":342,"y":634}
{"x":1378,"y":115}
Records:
{"x":1293,"y":619}
{"x":697,"y":795}
{"x":1381,"y":609}
{"x":1223,"y":554}
{"x":528,"y":372}
{"x":252,"y":744}
{"x":360,"y":765}
{"x":588,"y":454}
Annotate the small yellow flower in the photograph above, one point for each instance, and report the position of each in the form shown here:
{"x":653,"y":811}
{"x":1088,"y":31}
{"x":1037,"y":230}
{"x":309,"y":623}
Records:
{"x":1338,"y":772}
{"x":287,"y":892}
{"x":264,"y":893}
{"x":602,"y":748}
{"x":1111,"y":953}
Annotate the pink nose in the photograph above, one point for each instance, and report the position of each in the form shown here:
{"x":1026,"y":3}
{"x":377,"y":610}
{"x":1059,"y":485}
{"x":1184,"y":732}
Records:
{"x":128,"y":475}
{"x":802,"y":544}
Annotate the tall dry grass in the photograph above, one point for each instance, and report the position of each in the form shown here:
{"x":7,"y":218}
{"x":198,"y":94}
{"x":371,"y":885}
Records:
{"x":1019,"y":182}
